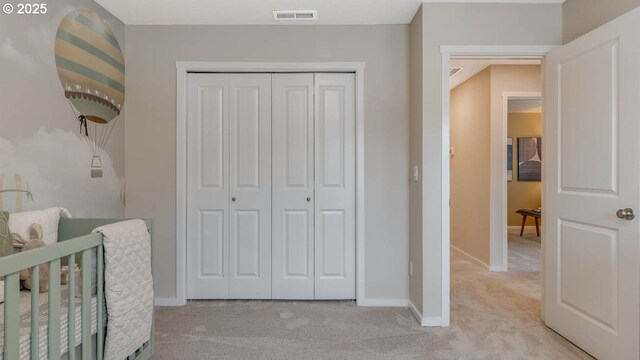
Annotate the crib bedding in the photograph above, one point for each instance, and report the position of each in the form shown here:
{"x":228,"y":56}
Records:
{"x":25,"y":323}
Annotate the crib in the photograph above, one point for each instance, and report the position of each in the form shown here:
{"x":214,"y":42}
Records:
{"x":65,"y":326}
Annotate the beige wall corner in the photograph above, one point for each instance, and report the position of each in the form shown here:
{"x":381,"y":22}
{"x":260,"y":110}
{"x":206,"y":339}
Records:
{"x":470,"y":171}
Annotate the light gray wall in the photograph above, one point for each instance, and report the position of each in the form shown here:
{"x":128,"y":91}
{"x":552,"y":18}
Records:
{"x":39,"y":134}
{"x":581,"y":16}
{"x":415,"y":188}
{"x":464,"y":24}
{"x":151,"y":144}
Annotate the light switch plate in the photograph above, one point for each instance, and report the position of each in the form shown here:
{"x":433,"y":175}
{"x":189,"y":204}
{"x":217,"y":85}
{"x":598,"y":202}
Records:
{"x":410,"y":268}
{"x":416,"y":173}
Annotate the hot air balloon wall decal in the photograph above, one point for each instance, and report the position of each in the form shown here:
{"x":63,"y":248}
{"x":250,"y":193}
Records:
{"x":90,"y":66}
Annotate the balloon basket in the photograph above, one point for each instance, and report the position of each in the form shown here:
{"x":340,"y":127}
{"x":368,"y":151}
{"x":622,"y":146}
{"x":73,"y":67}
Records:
{"x":96,"y":167}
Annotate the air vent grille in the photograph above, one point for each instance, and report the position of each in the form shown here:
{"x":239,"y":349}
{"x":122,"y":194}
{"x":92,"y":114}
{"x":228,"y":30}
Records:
{"x":295,"y":15}
{"x":454,"y":70}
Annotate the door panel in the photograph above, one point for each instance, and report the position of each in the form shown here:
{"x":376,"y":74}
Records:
{"x":212,"y":125}
{"x":597,"y":172}
{"x":331,"y":127}
{"x":246,"y":114}
{"x":247,"y":244}
{"x":331,"y":255}
{"x":335,"y":186}
{"x":590,"y":252}
{"x":592,"y":169}
{"x":207,"y":187}
{"x":293,"y":183}
{"x":250,"y":186}
{"x":211,"y":245}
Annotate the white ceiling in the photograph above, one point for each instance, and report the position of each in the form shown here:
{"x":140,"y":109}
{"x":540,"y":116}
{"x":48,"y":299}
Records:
{"x":258,"y":12}
{"x":470,"y":67}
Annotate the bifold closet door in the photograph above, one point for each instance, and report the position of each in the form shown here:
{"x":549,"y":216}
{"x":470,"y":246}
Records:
{"x":293,"y":187}
{"x":271,"y":201}
{"x":207,"y":186}
{"x":229,"y":186}
{"x":335,"y":164}
{"x":250,"y":186}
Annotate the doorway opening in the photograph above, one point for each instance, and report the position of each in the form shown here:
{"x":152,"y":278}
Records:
{"x":590,"y":153}
{"x":495,"y":162}
{"x":495,"y":155}
{"x":524,"y":182}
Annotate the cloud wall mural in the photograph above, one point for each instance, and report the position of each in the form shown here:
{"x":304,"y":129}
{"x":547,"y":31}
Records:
{"x":42,"y":149}
{"x":62,"y":182}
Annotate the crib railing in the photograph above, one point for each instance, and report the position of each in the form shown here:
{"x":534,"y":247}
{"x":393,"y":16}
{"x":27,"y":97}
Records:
{"x":69,"y":252}
{"x":10,"y":268}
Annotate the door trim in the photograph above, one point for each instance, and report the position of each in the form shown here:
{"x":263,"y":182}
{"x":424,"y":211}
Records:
{"x":182,"y":69}
{"x":448,"y":51}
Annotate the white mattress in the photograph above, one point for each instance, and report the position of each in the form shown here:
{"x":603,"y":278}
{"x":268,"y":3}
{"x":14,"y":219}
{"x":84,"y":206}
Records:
{"x":25,"y":323}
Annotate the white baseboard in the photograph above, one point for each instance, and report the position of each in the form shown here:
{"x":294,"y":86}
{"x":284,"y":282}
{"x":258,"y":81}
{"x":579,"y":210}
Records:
{"x":498,"y":268}
{"x":425,"y":321}
{"x":471,"y":257}
{"x":165,"y":302}
{"x":361,"y":302}
{"x":383,"y":302}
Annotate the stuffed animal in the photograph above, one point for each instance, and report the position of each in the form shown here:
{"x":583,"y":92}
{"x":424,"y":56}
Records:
{"x":34,"y":242}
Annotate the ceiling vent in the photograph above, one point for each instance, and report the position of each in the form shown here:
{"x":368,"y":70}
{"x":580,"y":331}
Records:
{"x":454,"y":70}
{"x":295,"y":15}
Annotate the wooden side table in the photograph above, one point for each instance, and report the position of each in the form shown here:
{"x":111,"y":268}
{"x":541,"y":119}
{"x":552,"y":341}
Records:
{"x":533,"y":213}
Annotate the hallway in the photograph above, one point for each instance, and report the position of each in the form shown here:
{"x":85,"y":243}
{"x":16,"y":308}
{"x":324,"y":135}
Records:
{"x":498,"y":313}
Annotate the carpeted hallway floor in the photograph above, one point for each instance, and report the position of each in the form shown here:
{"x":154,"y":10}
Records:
{"x":494,"y":316}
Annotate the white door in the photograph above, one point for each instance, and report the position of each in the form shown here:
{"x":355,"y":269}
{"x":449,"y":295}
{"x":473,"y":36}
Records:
{"x":250,"y":186}
{"x":293,"y":198}
{"x":208,"y":187}
{"x":335,"y":236}
{"x":592,"y":159}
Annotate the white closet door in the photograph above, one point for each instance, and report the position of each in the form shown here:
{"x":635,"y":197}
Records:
{"x":335,"y":234}
{"x":250,"y":186}
{"x":293,"y":186}
{"x":207,"y":187}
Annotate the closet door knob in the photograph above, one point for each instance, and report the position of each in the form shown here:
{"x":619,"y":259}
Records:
{"x":233,"y":198}
{"x":308,"y":199}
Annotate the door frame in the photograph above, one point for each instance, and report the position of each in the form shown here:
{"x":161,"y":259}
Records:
{"x":503,"y":240}
{"x":183,"y":68}
{"x":470,"y":51}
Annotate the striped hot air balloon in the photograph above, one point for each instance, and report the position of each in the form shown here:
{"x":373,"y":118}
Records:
{"x":91,"y":69}
{"x":14,"y":192}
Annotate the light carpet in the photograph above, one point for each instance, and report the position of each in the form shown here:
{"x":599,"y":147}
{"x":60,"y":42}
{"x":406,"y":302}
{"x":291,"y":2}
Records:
{"x":494,"y":316}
